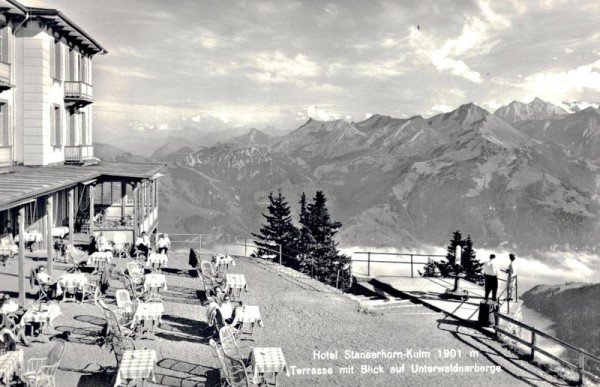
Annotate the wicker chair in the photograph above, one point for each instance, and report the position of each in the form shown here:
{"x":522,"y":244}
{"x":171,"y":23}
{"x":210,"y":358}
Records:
{"x":126,"y":306}
{"x":117,"y":325}
{"x":77,"y":258}
{"x":42,"y":371}
{"x":234,"y":370}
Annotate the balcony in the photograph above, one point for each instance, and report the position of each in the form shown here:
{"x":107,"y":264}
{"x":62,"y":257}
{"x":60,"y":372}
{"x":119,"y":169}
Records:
{"x":78,"y":94}
{"x":78,"y":154}
{"x":5,"y":77}
{"x":5,"y":156}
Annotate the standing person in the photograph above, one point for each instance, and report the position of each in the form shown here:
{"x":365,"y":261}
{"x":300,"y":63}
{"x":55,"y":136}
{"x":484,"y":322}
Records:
{"x":163,"y":244}
{"x":511,"y":274}
{"x":490,"y":269}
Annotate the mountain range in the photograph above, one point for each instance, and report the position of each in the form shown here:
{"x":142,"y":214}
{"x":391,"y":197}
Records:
{"x":525,"y":177}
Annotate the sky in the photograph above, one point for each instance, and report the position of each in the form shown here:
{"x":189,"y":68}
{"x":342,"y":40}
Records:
{"x":234,"y":63}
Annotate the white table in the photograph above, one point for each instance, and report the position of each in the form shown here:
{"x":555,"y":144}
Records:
{"x":156,"y":261}
{"x":60,"y":232}
{"x":147,"y":311}
{"x":45,"y":316}
{"x":268,"y":360}
{"x":248,"y":314}
{"x":99,"y":259}
{"x":136,"y":364}
{"x":155,"y":280}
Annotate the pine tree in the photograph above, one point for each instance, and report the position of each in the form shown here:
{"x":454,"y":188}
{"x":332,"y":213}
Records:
{"x":278,"y":230}
{"x":327,"y":260}
{"x":470,"y":264}
{"x":305,"y":244}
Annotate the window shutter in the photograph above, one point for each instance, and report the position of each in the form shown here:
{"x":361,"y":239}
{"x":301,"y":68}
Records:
{"x":52,"y":129}
{"x":4,"y":43}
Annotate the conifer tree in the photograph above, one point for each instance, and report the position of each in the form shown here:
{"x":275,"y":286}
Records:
{"x":278,"y":230}
{"x":305,"y":244}
{"x":470,"y":264}
{"x":327,"y":259}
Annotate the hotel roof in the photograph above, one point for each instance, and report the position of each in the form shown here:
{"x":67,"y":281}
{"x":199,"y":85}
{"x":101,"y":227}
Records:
{"x":27,"y":183}
{"x":60,"y":23}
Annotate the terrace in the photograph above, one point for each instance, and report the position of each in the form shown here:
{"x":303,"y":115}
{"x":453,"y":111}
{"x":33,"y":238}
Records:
{"x":301,"y":316}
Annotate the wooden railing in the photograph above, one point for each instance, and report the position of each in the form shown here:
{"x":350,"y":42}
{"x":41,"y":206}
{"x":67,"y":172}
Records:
{"x":410,"y":262}
{"x":78,"y":90}
{"x":5,"y":156}
{"x":533,"y":347}
{"x":78,"y":153}
{"x":4,"y":73}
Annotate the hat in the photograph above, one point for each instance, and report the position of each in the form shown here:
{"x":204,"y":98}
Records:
{"x":492,"y":256}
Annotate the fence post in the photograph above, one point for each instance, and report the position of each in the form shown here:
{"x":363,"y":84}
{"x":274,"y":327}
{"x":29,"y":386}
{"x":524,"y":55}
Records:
{"x":533,"y":341}
{"x":581,"y":364}
{"x":368,"y":264}
{"x":245,"y":248}
{"x":279,"y":254}
{"x":411,"y":267}
{"x":200,"y":250}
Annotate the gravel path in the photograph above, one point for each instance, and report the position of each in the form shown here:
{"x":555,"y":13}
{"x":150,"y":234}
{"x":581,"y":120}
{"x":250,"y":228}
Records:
{"x":302,"y":317}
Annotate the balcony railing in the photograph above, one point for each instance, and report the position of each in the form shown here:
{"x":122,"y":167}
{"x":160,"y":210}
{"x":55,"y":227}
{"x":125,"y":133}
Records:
{"x":5,"y":156}
{"x":78,"y":154}
{"x":78,"y":92}
{"x":5,"y":76}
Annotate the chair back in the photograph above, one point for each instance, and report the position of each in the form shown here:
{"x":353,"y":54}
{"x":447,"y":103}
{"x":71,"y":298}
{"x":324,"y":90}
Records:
{"x":111,"y":318}
{"x":56,"y":353}
{"x":77,"y":257}
{"x":120,"y":344}
{"x":207,"y":269}
{"x":227,"y":338}
{"x":134,"y":269}
{"x":236,"y":372}
{"x":123,"y":299}
{"x":218,"y":353}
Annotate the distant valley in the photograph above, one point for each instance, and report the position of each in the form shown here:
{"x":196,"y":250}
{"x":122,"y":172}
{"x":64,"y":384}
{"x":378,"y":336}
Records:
{"x":524,"y":177}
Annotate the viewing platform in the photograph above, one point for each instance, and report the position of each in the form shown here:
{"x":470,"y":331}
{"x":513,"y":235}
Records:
{"x":431,"y":291}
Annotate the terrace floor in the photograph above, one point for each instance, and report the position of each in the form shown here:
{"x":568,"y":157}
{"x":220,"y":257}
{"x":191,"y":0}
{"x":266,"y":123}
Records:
{"x":301,"y":316}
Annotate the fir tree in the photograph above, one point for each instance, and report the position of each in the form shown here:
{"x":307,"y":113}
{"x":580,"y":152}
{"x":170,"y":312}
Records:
{"x":325,"y":256}
{"x":470,"y":264}
{"x":305,"y":244}
{"x":278,"y":230}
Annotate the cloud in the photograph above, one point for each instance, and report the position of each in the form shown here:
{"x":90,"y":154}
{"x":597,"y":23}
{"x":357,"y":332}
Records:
{"x":558,"y":86}
{"x":135,"y":72}
{"x":277,"y":67}
{"x":207,"y":40}
{"x":127,"y":51}
{"x":322,"y":114}
{"x":475,"y":39}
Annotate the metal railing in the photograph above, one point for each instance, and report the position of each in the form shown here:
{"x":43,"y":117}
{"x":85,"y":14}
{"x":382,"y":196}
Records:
{"x":218,"y":244}
{"x":410,"y":261}
{"x":78,"y":153}
{"x":78,"y":90}
{"x":582,"y":355}
{"x":5,"y":156}
{"x":5,"y":73}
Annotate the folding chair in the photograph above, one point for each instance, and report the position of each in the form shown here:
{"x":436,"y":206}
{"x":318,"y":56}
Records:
{"x":76,"y":257}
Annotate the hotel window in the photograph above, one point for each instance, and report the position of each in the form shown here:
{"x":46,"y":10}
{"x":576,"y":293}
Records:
{"x":55,"y":60}
{"x":55,"y":125}
{"x":84,"y":129}
{"x":4,"y":45}
{"x":4,"y":139}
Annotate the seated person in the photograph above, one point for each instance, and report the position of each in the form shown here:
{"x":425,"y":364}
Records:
{"x":52,"y":288}
{"x":59,"y":247}
{"x":218,"y":295}
{"x":92,"y":246}
{"x":228,"y":309}
{"x":163,"y":244}
{"x":102,"y":243}
{"x":8,"y":305}
{"x":142,"y":243}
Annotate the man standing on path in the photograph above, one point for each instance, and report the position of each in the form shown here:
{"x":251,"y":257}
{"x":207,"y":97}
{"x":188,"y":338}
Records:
{"x":490,"y":269}
{"x":511,"y":273}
